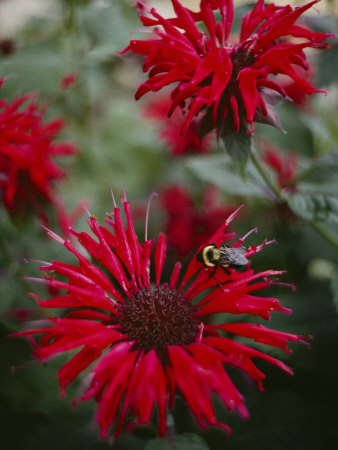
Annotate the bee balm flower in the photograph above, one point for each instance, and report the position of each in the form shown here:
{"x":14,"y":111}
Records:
{"x":27,"y":148}
{"x":226,"y":79}
{"x":147,"y":341}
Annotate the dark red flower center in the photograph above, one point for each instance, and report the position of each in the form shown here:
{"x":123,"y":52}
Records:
{"x":241,"y":58}
{"x":157,"y":318}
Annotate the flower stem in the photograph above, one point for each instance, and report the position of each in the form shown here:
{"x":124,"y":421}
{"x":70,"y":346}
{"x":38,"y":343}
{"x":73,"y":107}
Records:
{"x":326,"y":234}
{"x":266,"y":177}
{"x":323,"y":231}
{"x":170,"y":431}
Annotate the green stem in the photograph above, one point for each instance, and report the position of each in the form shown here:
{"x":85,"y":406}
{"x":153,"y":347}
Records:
{"x":170,"y":431}
{"x":70,"y":17}
{"x":325,"y":233}
{"x":264,"y":174}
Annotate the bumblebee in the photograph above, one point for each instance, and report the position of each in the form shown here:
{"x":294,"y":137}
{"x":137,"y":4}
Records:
{"x":224,"y":257}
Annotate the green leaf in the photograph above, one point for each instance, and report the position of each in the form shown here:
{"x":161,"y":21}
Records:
{"x":186,"y":441}
{"x":323,"y":23}
{"x":317,"y":207}
{"x":238,"y":147}
{"x":327,"y":66}
{"x":321,"y":175}
{"x":106,"y":29}
{"x":219,"y":171}
{"x":52,"y":62}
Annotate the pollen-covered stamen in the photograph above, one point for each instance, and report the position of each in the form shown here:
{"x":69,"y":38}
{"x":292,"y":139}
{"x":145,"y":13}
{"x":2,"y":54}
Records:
{"x":157,"y":318}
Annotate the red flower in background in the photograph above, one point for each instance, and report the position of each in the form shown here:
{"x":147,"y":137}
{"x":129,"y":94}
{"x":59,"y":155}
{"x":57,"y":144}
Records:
{"x":285,"y":167}
{"x":146,"y":342}
{"x":214,"y":75}
{"x":189,"y":142}
{"x":188,"y":227}
{"x":69,"y":80}
{"x":27,"y":169}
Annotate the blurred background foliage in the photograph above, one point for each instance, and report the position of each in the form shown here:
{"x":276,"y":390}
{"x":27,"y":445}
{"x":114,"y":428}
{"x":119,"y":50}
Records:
{"x":120,"y":146}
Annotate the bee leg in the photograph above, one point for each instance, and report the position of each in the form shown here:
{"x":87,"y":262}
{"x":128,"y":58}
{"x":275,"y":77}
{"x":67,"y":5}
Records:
{"x":212,"y":273}
{"x":227,"y":271}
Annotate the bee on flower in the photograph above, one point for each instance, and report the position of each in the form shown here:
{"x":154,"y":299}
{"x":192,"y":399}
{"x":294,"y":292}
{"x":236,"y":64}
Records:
{"x":141,"y":337}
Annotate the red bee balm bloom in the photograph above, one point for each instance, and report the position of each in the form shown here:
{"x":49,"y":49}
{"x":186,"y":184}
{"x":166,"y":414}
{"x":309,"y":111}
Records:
{"x":27,"y":169}
{"x":188,"y":227}
{"x":285,"y":167}
{"x":221,"y":77}
{"x":149,"y":341}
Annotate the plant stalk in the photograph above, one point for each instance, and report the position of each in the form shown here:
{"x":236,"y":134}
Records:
{"x":322,"y":230}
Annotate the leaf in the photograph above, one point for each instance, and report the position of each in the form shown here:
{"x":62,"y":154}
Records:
{"x":271,"y":99}
{"x":317,"y":207}
{"x":238,"y":146}
{"x":323,"y":23}
{"x":327,"y":67}
{"x":219,"y":171}
{"x":186,"y":441}
{"x":327,"y":64}
{"x":53,"y":64}
{"x":107,"y":30}
{"x":322,"y":171}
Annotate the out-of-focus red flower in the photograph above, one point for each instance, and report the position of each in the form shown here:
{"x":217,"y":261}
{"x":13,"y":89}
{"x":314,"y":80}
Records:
{"x":190,"y":141}
{"x":285,"y":167}
{"x":216,"y":77}
{"x":69,"y":80}
{"x":27,"y":149}
{"x":188,"y":227}
{"x":67,"y":220}
{"x":147,"y":342}
{"x":20,"y":314}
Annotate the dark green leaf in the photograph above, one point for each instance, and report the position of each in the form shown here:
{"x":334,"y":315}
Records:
{"x":322,"y":171}
{"x":317,"y":207}
{"x":327,"y":66}
{"x":186,"y":441}
{"x":238,"y":147}
{"x":219,"y":171}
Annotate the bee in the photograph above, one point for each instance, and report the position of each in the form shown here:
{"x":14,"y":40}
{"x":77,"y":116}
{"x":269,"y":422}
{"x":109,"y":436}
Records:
{"x":224,"y":257}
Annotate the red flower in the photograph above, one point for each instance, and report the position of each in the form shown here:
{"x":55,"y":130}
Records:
{"x":69,"y":80}
{"x":298,"y":96}
{"x":187,"y":227}
{"x":178,"y":144}
{"x":149,"y":341}
{"x":27,"y":169}
{"x":219,"y":78}
{"x":286,"y":168}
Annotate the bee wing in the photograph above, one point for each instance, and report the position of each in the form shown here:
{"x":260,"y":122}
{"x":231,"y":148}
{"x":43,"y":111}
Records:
{"x":233,"y":256}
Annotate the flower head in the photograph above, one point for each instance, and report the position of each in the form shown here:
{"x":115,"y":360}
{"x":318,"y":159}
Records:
{"x":27,"y":148}
{"x":146,"y":342}
{"x":189,"y":142}
{"x":187,"y":227}
{"x":220,"y":78}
